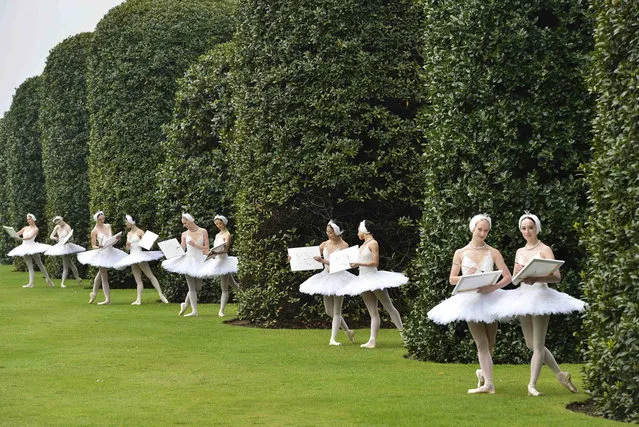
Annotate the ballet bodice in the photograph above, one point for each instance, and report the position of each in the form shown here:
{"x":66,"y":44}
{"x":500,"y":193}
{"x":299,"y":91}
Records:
{"x":192,"y":250}
{"x":485,"y":265}
{"x":219,"y":239}
{"x":29,"y":234}
{"x":62,"y":233}
{"x":134,"y":240}
{"x":365,"y":255}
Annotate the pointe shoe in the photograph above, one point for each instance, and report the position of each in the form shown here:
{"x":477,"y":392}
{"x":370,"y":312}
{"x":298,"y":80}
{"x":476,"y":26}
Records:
{"x":369,"y":344}
{"x":333,"y":342}
{"x":480,"y":378}
{"x":564,"y":380}
{"x":80,"y":283}
{"x":105,"y":302}
{"x":50,"y":283}
{"x":91,"y":298}
{"x":62,"y":285}
{"x":485,"y":389}
{"x":182,"y":308}
{"x":191,"y":314}
{"x":220,"y":314}
{"x":532,"y":391}
{"x":28,"y":285}
{"x":136,"y":303}
{"x":163,"y":299}
{"x":351,"y":335}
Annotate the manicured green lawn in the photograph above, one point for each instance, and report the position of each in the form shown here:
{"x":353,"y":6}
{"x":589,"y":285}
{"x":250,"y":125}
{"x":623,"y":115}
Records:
{"x":63,"y":361}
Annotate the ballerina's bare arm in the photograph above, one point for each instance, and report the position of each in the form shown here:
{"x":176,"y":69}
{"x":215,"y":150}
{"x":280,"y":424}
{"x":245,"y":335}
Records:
{"x":205,"y":235}
{"x":54,"y":233}
{"x":94,"y":239}
{"x":506,"y":277}
{"x":455,"y":269}
{"x":320,"y":258}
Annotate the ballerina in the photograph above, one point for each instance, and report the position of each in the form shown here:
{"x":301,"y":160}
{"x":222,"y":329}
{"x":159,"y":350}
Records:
{"x":101,"y":257}
{"x":373,"y":284}
{"x":196,"y":241}
{"x":476,"y":308}
{"x":533,"y":302}
{"x":328,"y":285}
{"x":138,"y":259}
{"x":30,"y":250}
{"x":222,"y":264}
{"x":65,"y":250}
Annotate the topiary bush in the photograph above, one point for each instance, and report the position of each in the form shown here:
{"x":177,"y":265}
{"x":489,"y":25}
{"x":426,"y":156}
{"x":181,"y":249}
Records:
{"x":506,"y":129}
{"x":325,"y":101}
{"x":194,"y":176}
{"x":23,"y":151}
{"x":612,"y":229}
{"x":64,"y":126}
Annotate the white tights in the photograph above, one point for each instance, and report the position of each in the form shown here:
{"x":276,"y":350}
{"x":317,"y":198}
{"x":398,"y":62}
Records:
{"x":140,"y":268}
{"x":370,"y":299}
{"x":534,"y":329}
{"x":226,"y":281}
{"x":30,"y":259}
{"x":66,"y":264}
{"x":484,"y":335}
{"x":102,"y":278}
{"x":194,"y":284}
{"x":333,"y":306}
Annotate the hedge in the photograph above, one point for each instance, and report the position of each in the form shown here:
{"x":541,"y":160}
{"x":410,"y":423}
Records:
{"x":612,"y":230}
{"x":507,"y":126}
{"x":325,"y":101}
{"x":194,"y":176}
{"x":5,"y":241}
{"x":64,"y":126}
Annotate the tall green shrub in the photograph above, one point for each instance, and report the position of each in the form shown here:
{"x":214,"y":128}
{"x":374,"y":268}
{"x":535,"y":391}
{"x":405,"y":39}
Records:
{"x":140,"y":49}
{"x":194,"y":176}
{"x":507,"y":127}
{"x":5,"y":245}
{"x":327,"y":93}
{"x":64,"y":125}
{"x":25,"y":178}
{"x":612,"y":230}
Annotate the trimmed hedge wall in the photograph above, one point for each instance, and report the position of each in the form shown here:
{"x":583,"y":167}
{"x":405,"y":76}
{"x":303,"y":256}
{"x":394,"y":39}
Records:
{"x":612,"y":230}
{"x":5,"y":241}
{"x":64,"y":125}
{"x":326,"y":97}
{"x":24,"y":159}
{"x":140,"y":49}
{"x":506,"y":127}
{"x":194,"y":177}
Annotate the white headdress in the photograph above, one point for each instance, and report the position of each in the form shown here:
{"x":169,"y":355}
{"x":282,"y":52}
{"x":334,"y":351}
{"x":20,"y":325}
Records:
{"x":129,"y":219}
{"x":338,"y":231}
{"x":362,"y":228}
{"x":534,"y":218}
{"x":96,"y":215}
{"x":221,"y":218}
{"x":56,"y":219}
{"x":477,"y":218}
{"x":32,"y":216}
{"x":188,"y":217}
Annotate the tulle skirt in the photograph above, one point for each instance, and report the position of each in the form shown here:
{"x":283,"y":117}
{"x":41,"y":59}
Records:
{"x":29,"y":247}
{"x":64,"y":249}
{"x":103,"y":257}
{"x":373,"y":281}
{"x":468,"y":306}
{"x":219,"y":266}
{"x":536,"y":299}
{"x":324,"y":283}
{"x":189,"y":264}
{"x":138,"y":257}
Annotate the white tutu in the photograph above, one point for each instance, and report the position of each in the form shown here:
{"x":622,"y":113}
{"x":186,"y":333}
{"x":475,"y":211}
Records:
{"x":220,"y":265}
{"x":468,"y":306}
{"x":190,"y":263}
{"x":103,"y":257}
{"x":137,"y":257}
{"x":64,"y":249}
{"x":372,"y":281}
{"x":324,"y":283}
{"x":29,"y":247}
{"x":536,"y":299}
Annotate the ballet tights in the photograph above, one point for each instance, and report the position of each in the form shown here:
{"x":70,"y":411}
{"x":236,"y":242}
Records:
{"x":194,"y":284}
{"x":485,"y":335}
{"x":534,"y":329}
{"x":333,"y":306}
{"x":30,"y":259}
{"x":138,"y":269}
{"x":226,"y":280}
{"x":370,"y":299}
{"x":101,"y":278}
{"x":66,"y":264}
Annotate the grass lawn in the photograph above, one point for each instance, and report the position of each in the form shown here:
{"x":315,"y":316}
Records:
{"x":63,"y":361}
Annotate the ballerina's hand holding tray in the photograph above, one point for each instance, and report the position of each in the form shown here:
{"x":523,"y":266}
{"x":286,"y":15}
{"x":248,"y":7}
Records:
{"x":303,"y":258}
{"x":472,"y":282}
{"x":341,"y":260}
{"x":537,"y":267}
